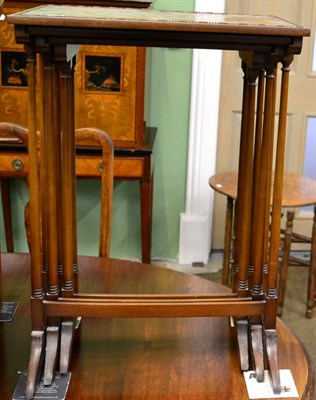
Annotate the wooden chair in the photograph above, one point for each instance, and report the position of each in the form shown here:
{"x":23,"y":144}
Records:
{"x":84,"y":137}
{"x":298,"y":191}
{"x":91,"y":136}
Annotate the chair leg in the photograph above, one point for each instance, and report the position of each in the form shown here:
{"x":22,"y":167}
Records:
{"x":6,"y":206}
{"x":311,"y":289}
{"x":227,"y":241}
{"x":285,"y":260}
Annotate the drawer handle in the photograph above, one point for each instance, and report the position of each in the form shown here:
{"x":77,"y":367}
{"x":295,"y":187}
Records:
{"x":100,"y":168}
{"x":18,"y":164}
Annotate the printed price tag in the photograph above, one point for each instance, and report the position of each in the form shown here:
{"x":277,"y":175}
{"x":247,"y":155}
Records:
{"x":7,"y":310}
{"x":263,"y":390}
{"x":57,"y":390}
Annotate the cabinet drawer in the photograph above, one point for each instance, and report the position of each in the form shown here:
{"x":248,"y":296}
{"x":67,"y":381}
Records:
{"x":124,"y":167}
{"x":14,"y":164}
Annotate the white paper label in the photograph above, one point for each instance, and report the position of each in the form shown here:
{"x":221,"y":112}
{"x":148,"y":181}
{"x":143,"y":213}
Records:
{"x":263,"y":390}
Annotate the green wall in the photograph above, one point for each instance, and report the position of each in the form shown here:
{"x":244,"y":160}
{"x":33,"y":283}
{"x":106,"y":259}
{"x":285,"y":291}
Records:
{"x":168,"y":80}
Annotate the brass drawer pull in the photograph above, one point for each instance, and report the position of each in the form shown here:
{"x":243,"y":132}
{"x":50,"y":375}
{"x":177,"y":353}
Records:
{"x":17,"y":164}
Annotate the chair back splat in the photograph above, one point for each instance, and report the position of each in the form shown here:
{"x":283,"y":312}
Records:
{"x":84,"y":137}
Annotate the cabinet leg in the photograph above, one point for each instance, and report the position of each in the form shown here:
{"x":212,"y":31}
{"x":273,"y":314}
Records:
{"x":146,"y":194}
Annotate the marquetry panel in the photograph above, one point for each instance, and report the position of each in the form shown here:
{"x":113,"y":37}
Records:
{"x":13,"y":76}
{"x":109,"y":83}
{"x":109,"y":92}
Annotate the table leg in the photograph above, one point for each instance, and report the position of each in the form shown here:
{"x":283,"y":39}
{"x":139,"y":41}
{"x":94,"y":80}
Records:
{"x":272,"y":277}
{"x":228,"y":240}
{"x":67,"y":236}
{"x":285,"y":260}
{"x":146,"y":196}
{"x":311,"y":290}
{"x":243,"y":206}
{"x":38,"y":323}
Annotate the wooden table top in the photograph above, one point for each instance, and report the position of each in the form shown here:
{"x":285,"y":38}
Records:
{"x":122,"y":18}
{"x":156,"y":28}
{"x":180,"y":358}
{"x":298,"y":190}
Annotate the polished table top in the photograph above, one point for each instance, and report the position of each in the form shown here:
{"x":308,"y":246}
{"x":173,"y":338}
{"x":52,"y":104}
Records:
{"x":157,"y":28}
{"x":180,"y":358}
{"x":100,"y":17}
{"x":298,"y":190}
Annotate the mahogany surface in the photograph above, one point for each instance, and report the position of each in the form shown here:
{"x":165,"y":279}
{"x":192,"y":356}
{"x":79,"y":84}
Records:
{"x":298,"y":190}
{"x":179,"y":358}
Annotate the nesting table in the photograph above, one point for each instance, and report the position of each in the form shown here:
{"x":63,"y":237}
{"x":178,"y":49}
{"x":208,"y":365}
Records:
{"x":263,"y":43}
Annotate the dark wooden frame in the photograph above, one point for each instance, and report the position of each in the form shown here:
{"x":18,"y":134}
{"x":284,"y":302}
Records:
{"x":2,"y":61}
{"x":104,"y":59}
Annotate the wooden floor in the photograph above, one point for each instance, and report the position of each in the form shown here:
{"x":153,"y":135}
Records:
{"x":183,"y":358}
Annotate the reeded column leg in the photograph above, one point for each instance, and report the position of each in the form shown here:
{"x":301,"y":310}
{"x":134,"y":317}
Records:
{"x":68,"y":206}
{"x":52,"y":215}
{"x":244,"y":204}
{"x":37,"y":342}
{"x":260,"y":209}
{"x":272,"y":277}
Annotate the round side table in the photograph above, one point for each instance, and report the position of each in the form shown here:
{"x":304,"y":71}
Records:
{"x":298,"y":191}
